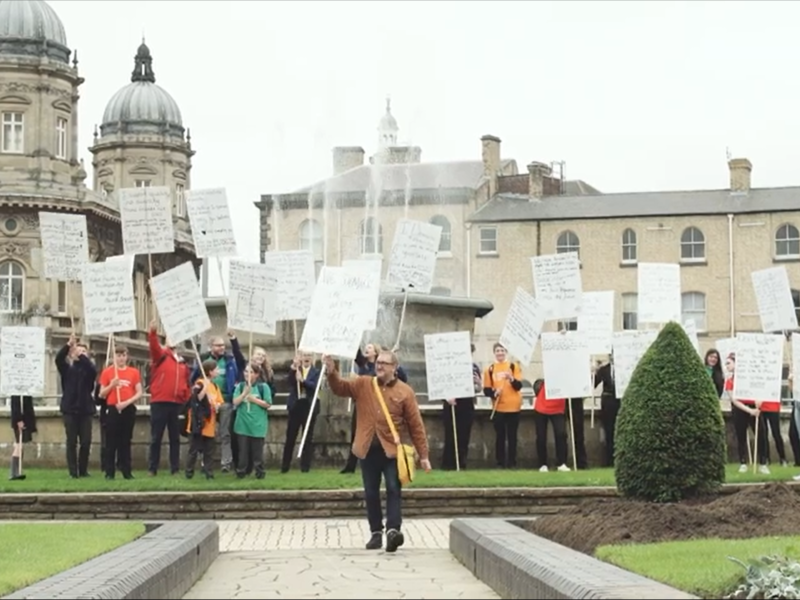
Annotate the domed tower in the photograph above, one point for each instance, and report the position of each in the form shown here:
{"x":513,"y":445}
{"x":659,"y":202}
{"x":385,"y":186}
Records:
{"x":142,"y":141}
{"x":387,"y":128}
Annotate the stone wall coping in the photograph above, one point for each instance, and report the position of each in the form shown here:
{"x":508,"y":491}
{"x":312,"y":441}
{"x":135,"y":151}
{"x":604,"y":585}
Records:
{"x":164,"y":563}
{"x":518,"y":565}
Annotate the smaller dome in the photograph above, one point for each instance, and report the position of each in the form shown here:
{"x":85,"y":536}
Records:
{"x":25,"y":21}
{"x":388,"y":122}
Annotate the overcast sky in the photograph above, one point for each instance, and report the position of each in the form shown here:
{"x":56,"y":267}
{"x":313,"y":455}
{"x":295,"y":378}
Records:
{"x":632,"y":95}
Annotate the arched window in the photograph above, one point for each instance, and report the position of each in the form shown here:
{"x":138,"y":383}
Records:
{"x":630,"y":311}
{"x":311,"y":238}
{"x":787,"y":241}
{"x":629,"y":254}
{"x":371,"y":236}
{"x":12,"y":286}
{"x":693,"y":308}
{"x":693,"y":245}
{"x":445,"y":242}
{"x":568,"y":242}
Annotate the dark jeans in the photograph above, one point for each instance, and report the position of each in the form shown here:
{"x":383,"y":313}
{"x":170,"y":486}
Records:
{"x":772,"y":420}
{"x":505,"y":430}
{"x":78,"y":429}
{"x":741,"y":422}
{"x":119,"y":436}
{"x":578,"y":432}
{"x":559,"y":432}
{"x":609,"y":409}
{"x":164,"y":415}
{"x":352,"y":459}
{"x":374,"y":466}
{"x":794,"y":436}
{"x":465,"y":415}
{"x":250,"y":449}
{"x":297,"y":420}
{"x":200,"y":445}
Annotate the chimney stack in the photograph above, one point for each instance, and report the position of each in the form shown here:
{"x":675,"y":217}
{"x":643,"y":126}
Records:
{"x":346,"y":158}
{"x":740,"y":169}
{"x":537,"y":172}
{"x":490,"y":154}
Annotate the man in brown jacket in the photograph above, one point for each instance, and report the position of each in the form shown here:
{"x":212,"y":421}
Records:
{"x":374,"y":444}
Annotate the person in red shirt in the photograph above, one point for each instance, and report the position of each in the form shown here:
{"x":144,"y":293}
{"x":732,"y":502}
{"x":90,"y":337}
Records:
{"x":743,"y":415}
{"x":121,"y":387}
{"x":549,"y":411}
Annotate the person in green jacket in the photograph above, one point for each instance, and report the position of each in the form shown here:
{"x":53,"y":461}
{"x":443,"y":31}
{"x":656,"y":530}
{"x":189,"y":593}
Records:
{"x":252,"y":398}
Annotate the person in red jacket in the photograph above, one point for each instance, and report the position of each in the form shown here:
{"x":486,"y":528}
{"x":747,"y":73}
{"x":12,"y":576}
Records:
{"x":550,"y":411}
{"x":169,"y":391}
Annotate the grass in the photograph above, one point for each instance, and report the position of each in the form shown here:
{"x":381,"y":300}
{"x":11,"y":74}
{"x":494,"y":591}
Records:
{"x":699,"y":567}
{"x":57,"y":480}
{"x":30,"y":552}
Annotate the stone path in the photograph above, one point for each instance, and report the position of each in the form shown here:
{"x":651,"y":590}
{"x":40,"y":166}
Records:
{"x":302,"y":559}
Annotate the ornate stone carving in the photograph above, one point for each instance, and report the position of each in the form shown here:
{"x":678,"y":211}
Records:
{"x":25,"y":88}
{"x":30,"y":221}
{"x":15,"y":249}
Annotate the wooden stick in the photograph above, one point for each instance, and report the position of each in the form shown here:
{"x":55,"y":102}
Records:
{"x":755,"y":444}
{"x":153,"y":305}
{"x":572,"y":435}
{"x":402,"y":320}
{"x":114,"y":362}
{"x":311,"y":411}
{"x":70,"y":307}
{"x":455,"y":436}
{"x":296,"y":341}
{"x":20,"y":444}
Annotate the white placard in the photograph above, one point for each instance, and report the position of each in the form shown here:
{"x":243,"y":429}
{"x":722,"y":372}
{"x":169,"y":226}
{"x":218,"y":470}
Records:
{"x":335,"y":322}
{"x":108,"y":300}
{"x":759,"y":367}
{"x":557,"y":284}
{"x":210,"y":220}
{"x":180,"y":303}
{"x":252,"y":297}
{"x":629,"y":348}
{"x":128,"y":260}
{"x":22,"y":358}
{"x":413,"y":258}
{"x":373,"y":267}
{"x":596,"y":320}
{"x":659,"y":298}
{"x":795,"y":366}
{"x":448,"y":365}
{"x":523,"y":325}
{"x":690,"y":328}
{"x":566,"y":366}
{"x":146,"y":215}
{"x":65,"y":245}
{"x":774,"y":298}
{"x":725,"y":347}
{"x":296,"y":275}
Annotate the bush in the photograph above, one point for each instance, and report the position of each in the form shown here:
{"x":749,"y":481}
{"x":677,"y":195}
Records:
{"x":770,"y":577}
{"x":670,"y":435}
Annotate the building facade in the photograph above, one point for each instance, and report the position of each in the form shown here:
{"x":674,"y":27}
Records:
{"x":140,"y":142}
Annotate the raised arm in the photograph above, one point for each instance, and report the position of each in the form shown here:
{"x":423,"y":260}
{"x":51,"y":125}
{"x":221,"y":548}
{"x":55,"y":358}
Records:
{"x":88,"y":366}
{"x":156,"y":350}
{"x":344,"y":388}
{"x":238,"y":357}
{"x":61,"y":359}
{"x":360,"y":359}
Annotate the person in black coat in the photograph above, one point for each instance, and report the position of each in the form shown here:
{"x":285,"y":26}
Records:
{"x":609,"y":406}
{"x":23,"y":424}
{"x":303,"y":378}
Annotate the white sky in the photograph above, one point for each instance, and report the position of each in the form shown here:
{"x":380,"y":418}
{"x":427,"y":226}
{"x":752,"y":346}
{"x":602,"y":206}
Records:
{"x":632,"y":95}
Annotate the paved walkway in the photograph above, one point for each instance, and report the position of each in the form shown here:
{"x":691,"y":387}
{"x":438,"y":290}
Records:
{"x":302,"y":559}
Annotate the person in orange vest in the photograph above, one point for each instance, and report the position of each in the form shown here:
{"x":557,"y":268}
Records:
{"x":201,"y":420}
{"x":502,"y":383}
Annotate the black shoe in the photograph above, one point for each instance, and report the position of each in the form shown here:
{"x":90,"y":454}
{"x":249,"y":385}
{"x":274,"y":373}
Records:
{"x":284,"y":469}
{"x":347,"y":470}
{"x":394,"y":539}
{"x":85,"y":474}
{"x":109,"y":477}
{"x":73,"y":476}
{"x":18,"y":477}
{"x":240,"y":475}
{"x":376,"y":541}
{"x":189,"y":474}
{"x":260,"y":474}
{"x":209,"y":475}
{"x":127,"y":475}
{"x":305,"y":470}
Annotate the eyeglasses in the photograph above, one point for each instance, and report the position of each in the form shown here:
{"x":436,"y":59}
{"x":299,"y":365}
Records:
{"x":384,"y":363}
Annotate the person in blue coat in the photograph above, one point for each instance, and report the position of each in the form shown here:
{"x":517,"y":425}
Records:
{"x":303,"y":378}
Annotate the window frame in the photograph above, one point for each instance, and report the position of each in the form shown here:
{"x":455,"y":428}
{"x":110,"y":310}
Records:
{"x":493,"y":241}
{"x":9,"y":126}
{"x":693,"y":244}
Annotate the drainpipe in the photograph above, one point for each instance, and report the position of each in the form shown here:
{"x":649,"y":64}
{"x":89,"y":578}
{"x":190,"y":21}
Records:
{"x":731,"y":292}
{"x":468,"y":227}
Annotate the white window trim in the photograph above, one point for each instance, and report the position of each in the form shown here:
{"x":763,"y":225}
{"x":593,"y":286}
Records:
{"x":62,"y":137}
{"x":180,"y":201}
{"x":11,"y":278}
{"x":481,"y":251}
{"x":689,"y":314}
{"x":21,"y":149}
{"x":776,"y":241}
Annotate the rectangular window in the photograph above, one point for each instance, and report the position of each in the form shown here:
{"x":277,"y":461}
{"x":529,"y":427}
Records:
{"x":568,"y":325}
{"x":61,"y":138}
{"x":13,"y":133}
{"x":630,"y":311}
{"x":141,"y":183}
{"x":179,"y":205}
{"x":487,"y":240}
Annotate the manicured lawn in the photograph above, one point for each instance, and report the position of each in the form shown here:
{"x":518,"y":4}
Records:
{"x":30,"y":552}
{"x":700,"y":567}
{"x":57,"y":480}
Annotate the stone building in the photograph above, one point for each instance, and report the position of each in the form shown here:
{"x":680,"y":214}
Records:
{"x":141,"y":141}
{"x":495,"y":218}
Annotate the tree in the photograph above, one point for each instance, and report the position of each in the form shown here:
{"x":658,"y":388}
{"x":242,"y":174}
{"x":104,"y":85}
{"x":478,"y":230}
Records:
{"x":670,"y":434}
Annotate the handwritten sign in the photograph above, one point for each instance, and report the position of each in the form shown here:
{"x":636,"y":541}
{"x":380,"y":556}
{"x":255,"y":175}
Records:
{"x":795,"y":366}
{"x":22,"y":360}
{"x":210,"y":220}
{"x":146,"y":220}
{"x":567,"y":371}
{"x":373,"y":267}
{"x":596,"y":320}
{"x":690,"y":328}
{"x":629,"y":348}
{"x":251,"y":305}
{"x":335,"y":323}
{"x":108,"y":300}
{"x":523,"y":325}
{"x":296,"y":276}
{"x":65,"y":245}
{"x":448,"y":365}
{"x":659,"y":292}
{"x":413,"y":258}
{"x":759,"y":366}
{"x":557,"y":284}
{"x":180,"y":303}
{"x":128,"y":260}
{"x":725,"y":347}
{"x":774,"y":298}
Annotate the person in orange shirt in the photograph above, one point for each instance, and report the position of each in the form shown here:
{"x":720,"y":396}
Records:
{"x":502,"y":382}
{"x":201,"y":420}
{"x":550,"y":410}
{"x":121,"y":387}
